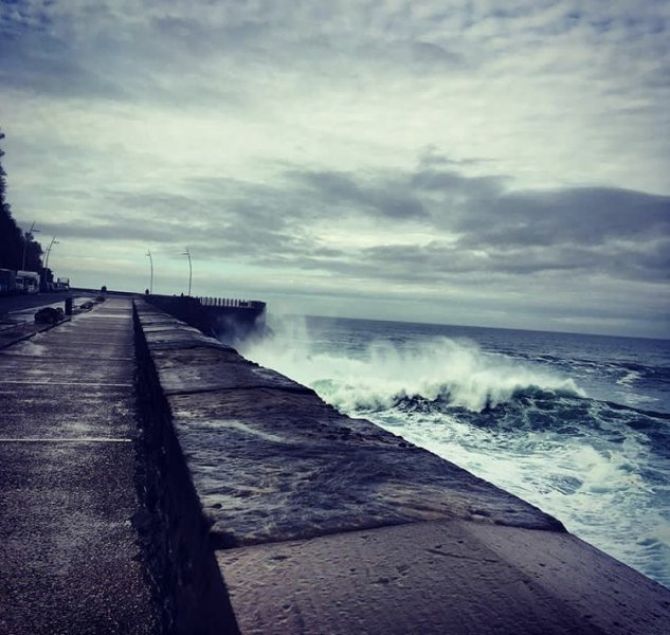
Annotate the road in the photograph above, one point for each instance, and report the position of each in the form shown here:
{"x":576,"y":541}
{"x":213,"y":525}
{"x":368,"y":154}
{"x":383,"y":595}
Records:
{"x":9,"y":304}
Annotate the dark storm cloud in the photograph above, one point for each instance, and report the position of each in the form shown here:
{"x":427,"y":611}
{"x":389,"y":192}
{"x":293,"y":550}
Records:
{"x":384,"y":196}
{"x":40,"y":63}
{"x":485,"y":212}
{"x":98,"y":52}
{"x":480,"y":227}
{"x":619,"y":232}
{"x":165,"y":53}
{"x":39,"y":56}
{"x":585,"y":216}
{"x":437,"y":260}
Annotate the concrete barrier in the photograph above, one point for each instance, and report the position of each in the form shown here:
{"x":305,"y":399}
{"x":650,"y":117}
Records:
{"x":297,"y":519}
{"x":174,"y":531}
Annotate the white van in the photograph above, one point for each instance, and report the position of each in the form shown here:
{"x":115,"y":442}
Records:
{"x":27,"y":282}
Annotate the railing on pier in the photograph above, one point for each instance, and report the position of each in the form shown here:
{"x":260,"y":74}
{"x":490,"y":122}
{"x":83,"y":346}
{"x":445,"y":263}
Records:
{"x":230,"y":302}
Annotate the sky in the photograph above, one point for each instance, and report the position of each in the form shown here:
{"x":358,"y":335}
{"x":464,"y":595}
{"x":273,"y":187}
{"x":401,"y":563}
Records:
{"x":471,"y":162}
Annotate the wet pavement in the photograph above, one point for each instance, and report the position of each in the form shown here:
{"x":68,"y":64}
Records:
{"x":17,"y":315}
{"x":69,"y":556}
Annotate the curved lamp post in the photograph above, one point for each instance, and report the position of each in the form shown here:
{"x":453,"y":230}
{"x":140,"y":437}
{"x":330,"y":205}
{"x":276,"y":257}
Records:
{"x":151,"y":264}
{"x":51,"y":244}
{"x":187,"y":253}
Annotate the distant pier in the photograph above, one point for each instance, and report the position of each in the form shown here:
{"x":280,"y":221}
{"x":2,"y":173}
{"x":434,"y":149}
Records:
{"x":228,"y":319}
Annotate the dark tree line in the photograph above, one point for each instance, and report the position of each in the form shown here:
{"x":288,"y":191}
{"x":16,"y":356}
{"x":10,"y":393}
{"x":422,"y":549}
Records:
{"x":13,"y":239}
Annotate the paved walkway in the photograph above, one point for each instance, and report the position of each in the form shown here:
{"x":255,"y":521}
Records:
{"x":69,"y":558}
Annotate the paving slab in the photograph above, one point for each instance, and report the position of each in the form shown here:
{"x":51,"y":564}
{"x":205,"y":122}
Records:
{"x":177,"y":337}
{"x":223,"y":374}
{"x":272,"y":471}
{"x":88,"y":370}
{"x":435,"y":578}
{"x":200,"y":355}
{"x":67,"y":410}
{"x":70,"y":560}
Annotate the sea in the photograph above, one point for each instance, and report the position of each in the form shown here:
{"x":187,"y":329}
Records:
{"x":578,"y":425}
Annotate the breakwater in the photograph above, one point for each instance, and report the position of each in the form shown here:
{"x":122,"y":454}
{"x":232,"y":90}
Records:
{"x":303,"y":520}
{"x":228,"y":319}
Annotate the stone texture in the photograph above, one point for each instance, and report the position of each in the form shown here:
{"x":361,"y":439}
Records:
{"x":277,"y":466}
{"x":435,"y":578}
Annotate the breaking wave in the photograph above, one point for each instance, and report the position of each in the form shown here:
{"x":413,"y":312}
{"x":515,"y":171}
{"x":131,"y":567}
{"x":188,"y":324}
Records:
{"x":515,"y":413}
{"x":384,"y":375}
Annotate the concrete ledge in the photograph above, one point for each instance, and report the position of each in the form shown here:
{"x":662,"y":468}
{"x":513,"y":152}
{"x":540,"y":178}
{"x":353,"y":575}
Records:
{"x":307,"y":508}
{"x":174,"y":531}
{"x":21,"y":332}
{"x":434,"y":578}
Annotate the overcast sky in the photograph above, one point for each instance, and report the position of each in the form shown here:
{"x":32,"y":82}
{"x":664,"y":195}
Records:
{"x":472,"y":162}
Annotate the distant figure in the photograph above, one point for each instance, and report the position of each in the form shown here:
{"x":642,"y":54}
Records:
{"x":103,"y":288}
{"x":146,"y":292}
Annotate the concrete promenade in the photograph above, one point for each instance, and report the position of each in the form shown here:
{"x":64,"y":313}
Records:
{"x":69,"y":555}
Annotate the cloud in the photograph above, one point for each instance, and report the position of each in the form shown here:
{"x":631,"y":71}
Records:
{"x":582,"y":216}
{"x":471,"y":225}
{"x":385,"y":196}
{"x":394,"y":147}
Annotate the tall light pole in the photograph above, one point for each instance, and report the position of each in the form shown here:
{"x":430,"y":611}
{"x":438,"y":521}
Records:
{"x":187,"y":253}
{"x":29,"y":233}
{"x":151,"y":264}
{"x":51,"y":244}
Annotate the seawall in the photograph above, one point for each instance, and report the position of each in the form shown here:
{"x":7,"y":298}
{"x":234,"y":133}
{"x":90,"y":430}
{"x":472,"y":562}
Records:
{"x":270,"y":512}
{"x":229,"y":320}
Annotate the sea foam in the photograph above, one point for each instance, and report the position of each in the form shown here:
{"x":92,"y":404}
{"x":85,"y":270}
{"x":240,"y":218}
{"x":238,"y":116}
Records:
{"x":384,"y":373}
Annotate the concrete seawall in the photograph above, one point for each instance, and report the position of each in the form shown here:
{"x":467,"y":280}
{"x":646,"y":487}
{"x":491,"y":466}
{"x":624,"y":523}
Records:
{"x":270,"y":512}
{"x":175,"y":540}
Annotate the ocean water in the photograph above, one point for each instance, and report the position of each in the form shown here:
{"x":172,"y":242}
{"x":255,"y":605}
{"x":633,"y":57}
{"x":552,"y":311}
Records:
{"x":578,"y":425}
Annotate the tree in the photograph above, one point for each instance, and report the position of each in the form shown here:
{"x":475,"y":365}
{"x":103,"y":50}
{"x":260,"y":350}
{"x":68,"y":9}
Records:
{"x":12,"y":239}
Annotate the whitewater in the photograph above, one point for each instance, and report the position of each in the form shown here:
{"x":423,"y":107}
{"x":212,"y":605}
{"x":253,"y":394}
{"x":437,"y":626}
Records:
{"x":578,"y":425}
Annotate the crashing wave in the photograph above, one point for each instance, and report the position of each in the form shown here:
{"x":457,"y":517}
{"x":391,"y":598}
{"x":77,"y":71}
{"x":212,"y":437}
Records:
{"x":457,"y":372}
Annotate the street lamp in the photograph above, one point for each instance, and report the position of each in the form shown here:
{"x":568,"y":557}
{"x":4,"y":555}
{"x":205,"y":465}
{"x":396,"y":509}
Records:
{"x":151,"y":264}
{"x":30,"y":233}
{"x":187,"y":253}
{"x":51,"y":244}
